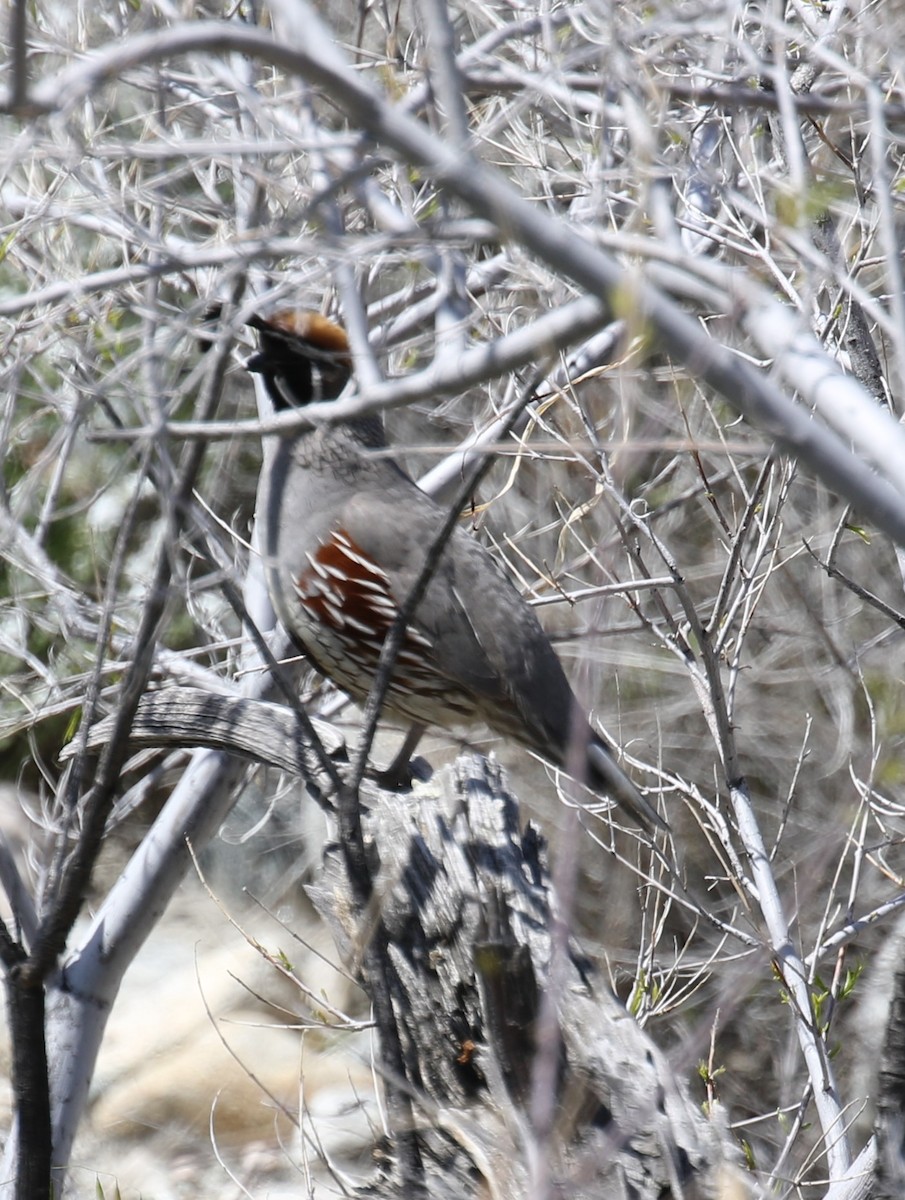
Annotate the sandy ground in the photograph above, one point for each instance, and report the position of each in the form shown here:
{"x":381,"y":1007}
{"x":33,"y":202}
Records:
{"x":217,"y":1077}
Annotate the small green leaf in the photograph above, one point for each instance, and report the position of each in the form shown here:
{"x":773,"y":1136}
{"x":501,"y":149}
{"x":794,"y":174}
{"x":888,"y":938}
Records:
{"x":862,"y":533}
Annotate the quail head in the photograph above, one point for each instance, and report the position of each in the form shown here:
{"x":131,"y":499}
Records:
{"x":345,"y":536}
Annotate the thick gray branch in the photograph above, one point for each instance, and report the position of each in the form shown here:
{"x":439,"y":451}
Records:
{"x":191,"y":718}
{"x":316,"y":57}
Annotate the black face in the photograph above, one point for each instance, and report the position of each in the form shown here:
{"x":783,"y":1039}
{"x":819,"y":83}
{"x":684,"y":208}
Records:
{"x":296,"y":370}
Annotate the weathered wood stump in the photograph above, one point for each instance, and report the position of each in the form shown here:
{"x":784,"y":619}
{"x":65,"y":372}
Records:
{"x":521,"y":1073}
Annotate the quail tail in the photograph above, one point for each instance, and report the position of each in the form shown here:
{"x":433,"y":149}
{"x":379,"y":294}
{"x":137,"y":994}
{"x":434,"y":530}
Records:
{"x":608,"y":777}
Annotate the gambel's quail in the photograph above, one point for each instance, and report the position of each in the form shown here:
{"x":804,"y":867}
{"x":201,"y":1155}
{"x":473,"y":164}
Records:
{"x":346,"y":534}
